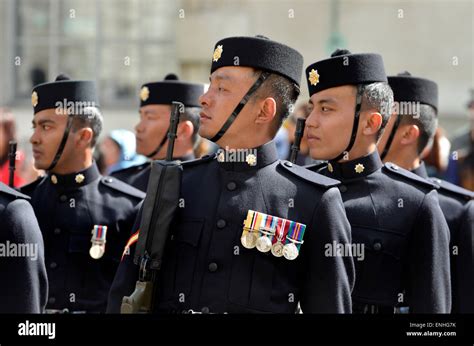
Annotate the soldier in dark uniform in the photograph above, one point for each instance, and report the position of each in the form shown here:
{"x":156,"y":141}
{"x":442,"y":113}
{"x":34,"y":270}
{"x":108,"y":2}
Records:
{"x":85,"y":218}
{"x":253,"y":232}
{"x":409,"y":131}
{"x":24,"y":287}
{"x":155,"y":109}
{"x":395,"y":216}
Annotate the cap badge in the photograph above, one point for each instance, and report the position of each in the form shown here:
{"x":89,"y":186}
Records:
{"x":34,"y":98}
{"x":217,"y":53}
{"x":313,"y":77}
{"x":144,"y":93}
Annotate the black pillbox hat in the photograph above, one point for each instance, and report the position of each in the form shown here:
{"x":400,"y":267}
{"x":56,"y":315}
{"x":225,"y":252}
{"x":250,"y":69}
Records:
{"x":169,"y":90}
{"x":260,"y":53}
{"x":64,"y":93}
{"x":345,"y":68}
{"x":407,"y":88}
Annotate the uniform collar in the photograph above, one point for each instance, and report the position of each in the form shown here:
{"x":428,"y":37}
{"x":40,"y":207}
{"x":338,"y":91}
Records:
{"x":421,"y":170}
{"x":186,"y":157}
{"x":75,"y":180}
{"x":247,"y":159}
{"x":357,"y":168}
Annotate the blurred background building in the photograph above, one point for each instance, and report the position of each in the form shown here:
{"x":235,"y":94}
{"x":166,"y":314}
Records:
{"x":124,"y":43}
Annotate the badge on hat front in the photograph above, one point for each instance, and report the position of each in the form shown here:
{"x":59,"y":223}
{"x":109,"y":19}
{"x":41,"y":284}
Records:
{"x":97,"y":249}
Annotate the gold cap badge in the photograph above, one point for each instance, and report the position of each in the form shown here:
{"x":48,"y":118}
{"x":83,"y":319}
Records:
{"x":144,"y":93}
{"x":217,"y":53}
{"x":313,"y":77}
{"x":34,"y":98}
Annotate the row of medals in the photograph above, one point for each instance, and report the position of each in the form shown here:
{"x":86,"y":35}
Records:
{"x":263,"y":243}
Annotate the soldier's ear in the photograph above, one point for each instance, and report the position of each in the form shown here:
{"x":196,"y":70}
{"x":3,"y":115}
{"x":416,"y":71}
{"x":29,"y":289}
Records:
{"x":185,"y":130}
{"x":84,"y":137}
{"x":410,"y":134}
{"x":267,"y":111}
{"x":372,"y":124}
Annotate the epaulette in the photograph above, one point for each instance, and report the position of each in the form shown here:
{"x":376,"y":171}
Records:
{"x":205,"y":158}
{"x":308,"y":175}
{"x":129,"y":170}
{"x":29,"y":188}
{"x":120,"y":186}
{"x":412,"y":177}
{"x":12,"y":192}
{"x":452,"y":188}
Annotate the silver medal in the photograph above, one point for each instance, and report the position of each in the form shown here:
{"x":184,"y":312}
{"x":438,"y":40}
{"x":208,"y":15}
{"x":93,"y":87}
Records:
{"x":290,"y":251}
{"x":264,"y":244}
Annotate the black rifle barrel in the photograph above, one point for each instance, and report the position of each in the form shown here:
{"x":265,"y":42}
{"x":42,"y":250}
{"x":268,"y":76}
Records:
{"x":295,"y":148}
{"x":11,"y":167}
{"x":174,"y":121}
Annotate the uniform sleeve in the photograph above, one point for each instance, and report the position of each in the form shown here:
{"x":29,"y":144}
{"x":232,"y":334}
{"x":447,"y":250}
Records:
{"x":429,"y":287}
{"x":127,"y":273}
{"x":465,"y":261}
{"x":330,"y":279}
{"x":25,"y":288}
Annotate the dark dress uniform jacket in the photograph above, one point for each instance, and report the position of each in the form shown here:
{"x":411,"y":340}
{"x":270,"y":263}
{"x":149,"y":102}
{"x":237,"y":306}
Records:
{"x":396,"y":216}
{"x":67,"y":208}
{"x":137,"y":176}
{"x":458,"y":209}
{"x":206,"y":269}
{"x":24,"y":284}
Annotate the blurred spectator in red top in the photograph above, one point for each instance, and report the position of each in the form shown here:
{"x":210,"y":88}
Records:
{"x":8,"y":133}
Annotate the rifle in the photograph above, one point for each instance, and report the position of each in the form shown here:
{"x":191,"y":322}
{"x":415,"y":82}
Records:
{"x":158,"y":210}
{"x":299,"y":131}
{"x":11,"y":167}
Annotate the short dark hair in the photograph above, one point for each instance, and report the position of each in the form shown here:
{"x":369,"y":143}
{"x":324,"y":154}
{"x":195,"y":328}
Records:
{"x":89,"y":117}
{"x":192,"y":114}
{"x":426,"y":121}
{"x":378,"y":96}
{"x":285,"y":93}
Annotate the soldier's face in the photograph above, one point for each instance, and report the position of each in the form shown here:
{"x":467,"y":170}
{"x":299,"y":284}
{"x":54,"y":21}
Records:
{"x":329,"y":125}
{"x":228,"y":85}
{"x":151,"y":129}
{"x":48,"y":130}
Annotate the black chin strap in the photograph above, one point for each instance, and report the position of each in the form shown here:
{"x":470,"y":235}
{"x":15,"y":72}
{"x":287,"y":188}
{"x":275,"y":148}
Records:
{"x":162,"y":143}
{"x":242,"y":103}
{"x":391,"y":137}
{"x":355,"y":125}
{"x":60,"y":150}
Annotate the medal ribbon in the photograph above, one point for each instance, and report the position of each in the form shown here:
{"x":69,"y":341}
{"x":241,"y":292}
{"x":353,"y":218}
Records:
{"x":99,"y":233}
{"x":289,"y":229}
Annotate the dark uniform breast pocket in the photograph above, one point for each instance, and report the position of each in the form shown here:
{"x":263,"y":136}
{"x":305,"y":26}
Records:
{"x":90,"y":278}
{"x":186,"y":237}
{"x":378,"y":260}
{"x":251,"y":281}
{"x":80,"y":243}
